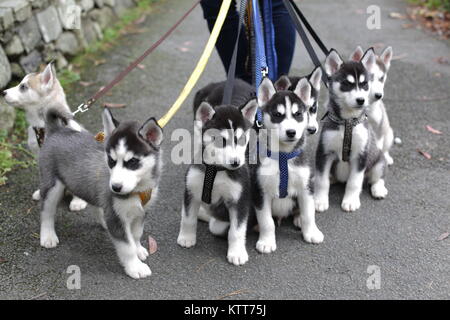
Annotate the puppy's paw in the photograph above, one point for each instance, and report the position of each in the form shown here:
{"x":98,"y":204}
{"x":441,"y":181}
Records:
{"x":237,"y":256}
{"x":77,"y":204}
{"x":389,"y":159}
{"x":266,"y":245}
{"x":350,"y":204}
{"x":49,"y":239}
{"x":321,"y":204}
{"x":36,"y":195}
{"x":313,"y":235}
{"x":378,"y":190}
{"x":142,"y":253}
{"x":187,"y":240}
{"x":137,"y":270}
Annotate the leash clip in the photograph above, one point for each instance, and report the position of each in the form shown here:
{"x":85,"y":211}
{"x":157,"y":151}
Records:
{"x":265,"y":71}
{"x":81,"y":108}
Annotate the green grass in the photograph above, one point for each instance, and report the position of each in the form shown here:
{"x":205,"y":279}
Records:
{"x":13,"y":152}
{"x":433,"y":4}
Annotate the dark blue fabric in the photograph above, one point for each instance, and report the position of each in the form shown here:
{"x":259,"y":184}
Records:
{"x":283,"y":158}
{"x":269,"y":39}
{"x":284,"y":38}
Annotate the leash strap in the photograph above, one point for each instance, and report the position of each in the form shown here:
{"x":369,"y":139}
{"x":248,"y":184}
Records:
{"x":289,"y":4}
{"x":269,"y":40}
{"x":228,"y":90}
{"x":348,"y":132}
{"x":85,"y":106}
{"x":40,"y":135}
{"x":200,"y":65}
{"x":283,"y":158}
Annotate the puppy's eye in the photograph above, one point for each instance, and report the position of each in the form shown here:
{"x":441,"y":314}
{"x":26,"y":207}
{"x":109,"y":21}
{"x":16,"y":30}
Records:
{"x":277,"y":114}
{"x":132,"y":164}
{"x":297,"y":114}
{"x":111,"y":162}
{"x":382,"y":79}
{"x":23,"y":87}
{"x":313,"y":109}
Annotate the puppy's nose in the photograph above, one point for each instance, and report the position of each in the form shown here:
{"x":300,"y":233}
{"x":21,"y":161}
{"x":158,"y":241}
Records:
{"x":116,"y":187}
{"x":378,"y":96}
{"x":312,"y":130}
{"x":360,"y":101}
{"x":235,"y":163}
{"x":290,"y":133}
{"x":4,"y":93}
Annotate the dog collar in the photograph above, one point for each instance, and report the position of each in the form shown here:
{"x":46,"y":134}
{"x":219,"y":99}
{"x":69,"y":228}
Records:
{"x":145,"y":196}
{"x":348,"y":131}
{"x":283,"y":158}
{"x":40,"y":135}
{"x":208,"y":181}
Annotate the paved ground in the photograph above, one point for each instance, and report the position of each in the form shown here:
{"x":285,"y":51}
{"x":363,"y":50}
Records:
{"x":398,"y":234}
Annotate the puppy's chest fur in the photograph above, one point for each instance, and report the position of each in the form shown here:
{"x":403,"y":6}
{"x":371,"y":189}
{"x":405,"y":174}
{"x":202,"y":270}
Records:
{"x":269,"y":180}
{"x":224,"y":188}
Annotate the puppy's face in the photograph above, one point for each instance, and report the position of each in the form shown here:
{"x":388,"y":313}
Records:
{"x":225,"y":133}
{"x":132,"y":154}
{"x":350,"y":82}
{"x":285,"y":112}
{"x":32,"y":90}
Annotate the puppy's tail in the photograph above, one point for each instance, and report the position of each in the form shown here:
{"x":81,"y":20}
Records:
{"x":56,"y":119}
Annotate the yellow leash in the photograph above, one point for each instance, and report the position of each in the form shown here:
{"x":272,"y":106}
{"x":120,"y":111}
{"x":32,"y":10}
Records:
{"x":200,"y":65}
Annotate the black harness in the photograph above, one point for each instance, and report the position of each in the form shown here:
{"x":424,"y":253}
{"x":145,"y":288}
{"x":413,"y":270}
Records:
{"x":40,"y":135}
{"x":348,"y":124}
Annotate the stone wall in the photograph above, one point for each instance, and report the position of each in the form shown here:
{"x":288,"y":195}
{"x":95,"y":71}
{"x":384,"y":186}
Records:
{"x":34,"y":32}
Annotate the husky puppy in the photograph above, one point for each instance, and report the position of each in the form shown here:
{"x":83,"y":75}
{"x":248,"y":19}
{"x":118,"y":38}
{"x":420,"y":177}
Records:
{"x":285,"y":119}
{"x":347,"y":146}
{"x":376,"y":112}
{"x":314,"y":78}
{"x":36,"y":93}
{"x":220,"y":185}
{"x":115,"y":177}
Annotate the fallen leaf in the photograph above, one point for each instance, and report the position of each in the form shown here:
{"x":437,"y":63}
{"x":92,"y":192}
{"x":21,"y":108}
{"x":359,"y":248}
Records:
{"x":425,"y":154}
{"x":3,"y":260}
{"x":99,"y":62}
{"x":152,"y":245}
{"x":432,"y":130}
{"x":114,"y":105}
{"x":140,"y":20}
{"x":187,"y":43}
{"x":396,"y":15}
{"x":233,"y":293}
{"x":407,"y":25}
{"x":400,"y":56}
{"x":86,"y":83}
{"x":443,"y":236}
{"x":442,"y":60}
{"x":141,"y":66}
{"x":183,"y":49}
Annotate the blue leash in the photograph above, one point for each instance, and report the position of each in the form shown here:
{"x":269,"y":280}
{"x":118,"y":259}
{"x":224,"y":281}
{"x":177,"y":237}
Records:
{"x":269,"y":37}
{"x":283,"y":158}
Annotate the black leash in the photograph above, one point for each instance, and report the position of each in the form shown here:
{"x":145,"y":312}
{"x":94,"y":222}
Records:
{"x":293,"y":11}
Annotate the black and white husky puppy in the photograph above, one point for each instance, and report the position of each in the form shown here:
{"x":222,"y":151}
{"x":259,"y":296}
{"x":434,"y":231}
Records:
{"x":347,"y":146}
{"x":220,"y":185}
{"x":117,"y":177}
{"x":314,"y":78}
{"x":282,"y":181}
{"x":376,"y":112}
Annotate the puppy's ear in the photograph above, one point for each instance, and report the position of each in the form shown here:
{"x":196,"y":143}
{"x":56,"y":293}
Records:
{"x":48,"y":77}
{"x":249,"y":110}
{"x":204,"y":113}
{"x":369,"y":60}
{"x":266,"y":90}
{"x":386,"y":57}
{"x":283,"y":83}
{"x":151,"y":132}
{"x":333,"y":62}
{"x":303,"y":90}
{"x":357,"y":54}
{"x":315,"y":78}
{"x":109,"y":123}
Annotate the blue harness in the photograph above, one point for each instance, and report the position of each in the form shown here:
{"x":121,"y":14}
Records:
{"x":283,"y":158}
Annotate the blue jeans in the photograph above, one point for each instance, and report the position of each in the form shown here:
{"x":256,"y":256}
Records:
{"x":284,"y":37}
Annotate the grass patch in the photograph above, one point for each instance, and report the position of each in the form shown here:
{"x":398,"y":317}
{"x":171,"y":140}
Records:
{"x":13,"y":151}
{"x":443,"y":5}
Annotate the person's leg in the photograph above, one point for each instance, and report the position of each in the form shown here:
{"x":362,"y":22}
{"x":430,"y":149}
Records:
{"x":225,"y":42}
{"x":284,"y":36}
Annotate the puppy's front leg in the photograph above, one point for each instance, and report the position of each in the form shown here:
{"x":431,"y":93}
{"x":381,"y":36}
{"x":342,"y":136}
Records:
{"x":353,"y":188}
{"x":322,"y":180}
{"x":237,"y":253}
{"x":137,"y":229}
{"x":266,"y":241}
{"x":188,"y":227}
{"x":307,"y":217}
